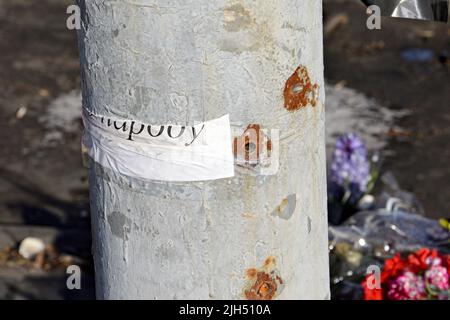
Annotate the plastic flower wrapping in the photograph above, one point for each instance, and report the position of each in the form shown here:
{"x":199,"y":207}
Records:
{"x":433,"y":10}
{"x":385,"y":231}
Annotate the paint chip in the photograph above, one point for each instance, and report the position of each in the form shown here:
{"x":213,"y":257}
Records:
{"x":236,"y":17}
{"x":120,"y":224}
{"x":286,"y":208}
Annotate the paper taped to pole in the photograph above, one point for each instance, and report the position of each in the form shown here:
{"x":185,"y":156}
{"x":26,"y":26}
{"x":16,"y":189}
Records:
{"x":160,"y":152}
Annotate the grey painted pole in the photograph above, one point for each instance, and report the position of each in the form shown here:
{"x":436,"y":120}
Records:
{"x":251,"y":236}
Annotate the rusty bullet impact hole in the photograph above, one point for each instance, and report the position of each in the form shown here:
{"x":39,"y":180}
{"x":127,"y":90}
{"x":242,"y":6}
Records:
{"x":264,"y":288}
{"x":252,"y":146}
{"x":299,"y":91}
{"x":265,"y":283}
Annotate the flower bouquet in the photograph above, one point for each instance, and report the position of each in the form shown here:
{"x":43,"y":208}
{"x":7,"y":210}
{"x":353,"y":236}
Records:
{"x":422,"y":275}
{"x":352,"y":177}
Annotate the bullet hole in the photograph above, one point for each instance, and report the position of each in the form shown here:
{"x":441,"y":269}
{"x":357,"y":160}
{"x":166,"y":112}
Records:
{"x":250,"y":147}
{"x":264,"y":288}
{"x":264,"y":283}
{"x":299,"y":91}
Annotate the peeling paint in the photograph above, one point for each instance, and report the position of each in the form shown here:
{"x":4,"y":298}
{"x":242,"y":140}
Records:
{"x":249,"y":215}
{"x":264,"y":283}
{"x":244,"y":32}
{"x":286,"y":208}
{"x":236,"y":18}
{"x":119,"y":224}
{"x":299,"y":91}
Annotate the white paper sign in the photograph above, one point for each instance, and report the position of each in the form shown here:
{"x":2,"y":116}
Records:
{"x":161,"y":152}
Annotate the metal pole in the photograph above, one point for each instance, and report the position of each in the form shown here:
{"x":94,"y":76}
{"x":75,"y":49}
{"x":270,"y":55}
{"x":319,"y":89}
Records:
{"x":255,"y":235}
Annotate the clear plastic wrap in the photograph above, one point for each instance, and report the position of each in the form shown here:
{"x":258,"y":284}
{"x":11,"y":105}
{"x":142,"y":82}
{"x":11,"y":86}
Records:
{"x":394,"y":224}
{"x":434,"y":10}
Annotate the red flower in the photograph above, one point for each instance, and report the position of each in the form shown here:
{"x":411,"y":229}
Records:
{"x":416,"y":263}
{"x":421,"y":259}
{"x":392,"y":268}
{"x":369,"y":293}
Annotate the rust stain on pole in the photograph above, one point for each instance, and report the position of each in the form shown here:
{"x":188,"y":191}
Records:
{"x":264,"y":283}
{"x":299,"y":91}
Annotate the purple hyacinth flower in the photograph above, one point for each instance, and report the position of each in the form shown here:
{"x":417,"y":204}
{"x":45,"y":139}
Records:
{"x":350,"y":165}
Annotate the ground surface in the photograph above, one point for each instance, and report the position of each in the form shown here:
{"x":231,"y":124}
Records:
{"x":43,"y":188}
{"x":371,"y":62}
